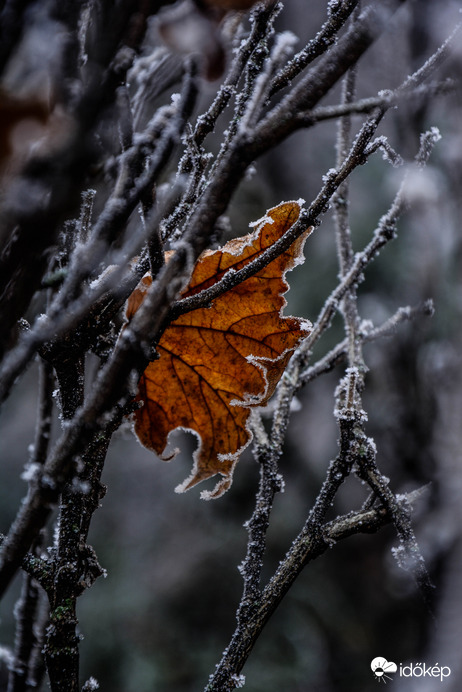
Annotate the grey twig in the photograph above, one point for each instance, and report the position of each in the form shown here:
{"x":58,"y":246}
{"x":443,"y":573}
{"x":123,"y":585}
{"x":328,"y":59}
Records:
{"x":368,"y":333}
{"x":316,"y":47}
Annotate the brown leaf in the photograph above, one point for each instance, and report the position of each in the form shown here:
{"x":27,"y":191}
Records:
{"x":215,"y":363}
{"x":195,"y":27}
{"x":13,"y":112}
{"x":186,"y":29}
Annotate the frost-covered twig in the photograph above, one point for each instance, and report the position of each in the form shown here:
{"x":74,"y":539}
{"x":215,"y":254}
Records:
{"x":111,"y":389}
{"x":263,"y":68}
{"x":384,"y":99}
{"x":389,"y":154}
{"x":89,"y":315}
{"x":356,"y":445}
{"x":389,"y":327}
{"x":408,"y":553}
{"x":127,"y":194}
{"x":44,"y":330}
{"x":351,"y":452}
{"x":44,"y":414}
{"x":86,"y":211}
{"x":308,"y":217}
{"x":62,"y":642}
{"x":366,"y":458}
{"x":152,"y":75}
{"x":250,"y":100}
{"x":387,"y":223}
{"x":368,"y":333}
{"x":234,"y":277}
{"x":432,"y":63}
{"x":316,"y":47}
{"x":26,"y":610}
{"x":195,"y":160}
{"x":282,"y":119}
{"x":341,"y":198}
{"x":332,"y":182}
{"x":384,"y":232}
{"x":87,"y":257}
{"x":257,"y":525}
{"x":29,"y":625}
{"x":306,"y":547}
{"x":262,"y":18}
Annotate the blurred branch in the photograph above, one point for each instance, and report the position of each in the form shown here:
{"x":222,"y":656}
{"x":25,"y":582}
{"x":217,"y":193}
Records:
{"x":51,"y":182}
{"x":70,"y":309}
{"x":62,"y":642}
{"x":29,"y":625}
{"x":385,"y":99}
{"x":12,"y":23}
{"x":25,"y":639}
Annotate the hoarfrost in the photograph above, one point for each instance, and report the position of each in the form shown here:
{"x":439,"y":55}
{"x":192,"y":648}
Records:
{"x":400,"y":554}
{"x":80,"y":486}
{"x":6,"y":655}
{"x":331,"y":173}
{"x":333,"y":6}
{"x":31,"y":471}
{"x":238,"y":680}
{"x":250,"y":172}
{"x":133,"y":380}
{"x":281,"y":483}
{"x":372,"y":445}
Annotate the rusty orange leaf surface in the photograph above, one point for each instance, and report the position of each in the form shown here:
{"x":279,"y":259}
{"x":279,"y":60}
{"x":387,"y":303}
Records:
{"x":215,"y":363}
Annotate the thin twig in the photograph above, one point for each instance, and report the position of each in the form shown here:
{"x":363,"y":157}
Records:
{"x":261,"y":18}
{"x":368,"y":333}
{"x":308,"y":218}
{"x":307,"y":546}
{"x":384,"y":99}
{"x":316,"y":47}
{"x":194,"y":159}
{"x":27,"y":609}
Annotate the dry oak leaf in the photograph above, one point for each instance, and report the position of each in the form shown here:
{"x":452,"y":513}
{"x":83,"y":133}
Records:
{"x":216,"y":362}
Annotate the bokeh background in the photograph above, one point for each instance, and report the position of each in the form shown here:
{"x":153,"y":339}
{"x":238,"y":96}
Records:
{"x":166,"y":610}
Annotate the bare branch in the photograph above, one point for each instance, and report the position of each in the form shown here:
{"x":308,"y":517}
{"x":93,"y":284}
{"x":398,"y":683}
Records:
{"x":323,"y":40}
{"x":368,"y":333}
